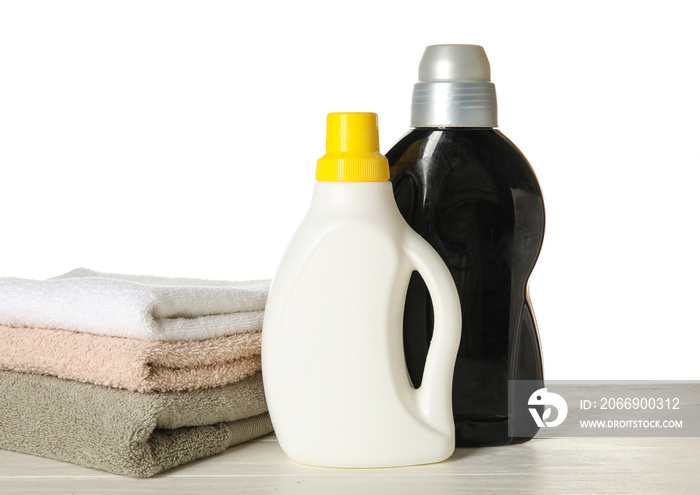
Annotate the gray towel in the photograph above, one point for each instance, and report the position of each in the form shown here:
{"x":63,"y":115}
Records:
{"x":123,"y":432}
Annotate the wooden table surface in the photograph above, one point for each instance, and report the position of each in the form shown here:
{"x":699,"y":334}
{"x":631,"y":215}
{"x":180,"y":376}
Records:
{"x":541,"y":466}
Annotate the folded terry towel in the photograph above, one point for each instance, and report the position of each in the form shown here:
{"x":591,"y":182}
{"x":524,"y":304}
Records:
{"x":140,"y":307}
{"x":126,"y":432}
{"x":141,"y":365}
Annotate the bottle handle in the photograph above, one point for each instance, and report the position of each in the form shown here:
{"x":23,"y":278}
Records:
{"x":434,"y":396}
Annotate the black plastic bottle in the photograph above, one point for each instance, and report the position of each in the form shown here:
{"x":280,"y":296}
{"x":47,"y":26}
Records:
{"x":463,"y":186}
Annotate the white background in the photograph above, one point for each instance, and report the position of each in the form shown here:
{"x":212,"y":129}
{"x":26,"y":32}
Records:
{"x":180,"y":138}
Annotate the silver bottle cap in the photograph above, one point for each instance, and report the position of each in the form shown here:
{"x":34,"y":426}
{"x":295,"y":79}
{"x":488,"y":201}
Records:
{"x":454,"y":88}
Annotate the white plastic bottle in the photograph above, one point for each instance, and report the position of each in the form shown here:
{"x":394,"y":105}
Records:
{"x":333,"y":364}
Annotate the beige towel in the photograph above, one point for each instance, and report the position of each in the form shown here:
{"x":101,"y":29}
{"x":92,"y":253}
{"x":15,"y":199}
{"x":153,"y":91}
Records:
{"x":140,"y":365}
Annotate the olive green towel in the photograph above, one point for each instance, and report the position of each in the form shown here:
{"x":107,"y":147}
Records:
{"x":124,"y":432}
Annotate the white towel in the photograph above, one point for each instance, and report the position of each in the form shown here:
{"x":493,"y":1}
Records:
{"x":140,"y":307}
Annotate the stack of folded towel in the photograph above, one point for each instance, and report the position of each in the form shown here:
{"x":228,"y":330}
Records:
{"x":131,"y":374}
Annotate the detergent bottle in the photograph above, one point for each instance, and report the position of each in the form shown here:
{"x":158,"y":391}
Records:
{"x":465,"y":188}
{"x":334,"y":371}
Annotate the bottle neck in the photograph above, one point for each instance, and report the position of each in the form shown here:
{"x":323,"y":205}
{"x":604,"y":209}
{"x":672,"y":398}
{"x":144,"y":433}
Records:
{"x":357,"y":199}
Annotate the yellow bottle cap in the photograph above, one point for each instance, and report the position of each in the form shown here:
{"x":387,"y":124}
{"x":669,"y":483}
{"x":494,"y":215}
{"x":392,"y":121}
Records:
{"x":352,"y":149}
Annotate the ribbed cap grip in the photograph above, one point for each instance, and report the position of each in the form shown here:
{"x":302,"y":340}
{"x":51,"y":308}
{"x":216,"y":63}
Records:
{"x":352,"y":149}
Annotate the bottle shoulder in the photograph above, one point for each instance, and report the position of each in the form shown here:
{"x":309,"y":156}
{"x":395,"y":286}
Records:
{"x":443,"y":143}
{"x":475,"y":155}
